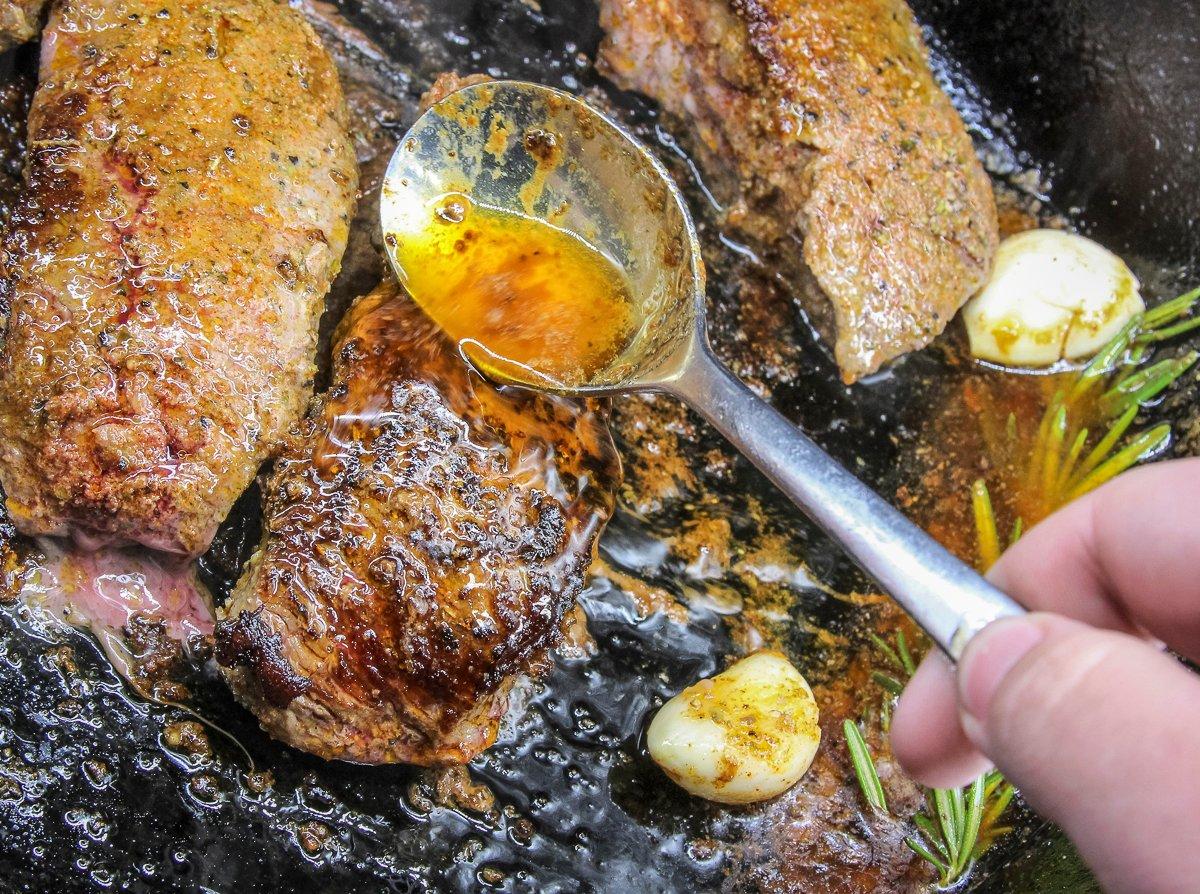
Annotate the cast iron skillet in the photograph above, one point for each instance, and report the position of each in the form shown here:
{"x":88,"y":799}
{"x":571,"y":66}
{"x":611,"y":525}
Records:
{"x":1102,"y":98}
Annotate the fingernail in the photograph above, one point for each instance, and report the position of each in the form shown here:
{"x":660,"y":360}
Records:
{"x":988,"y":659}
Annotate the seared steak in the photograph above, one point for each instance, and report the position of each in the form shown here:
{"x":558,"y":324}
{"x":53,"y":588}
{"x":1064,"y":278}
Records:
{"x":828,"y":127}
{"x":190,"y":183}
{"x":424,"y":534}
{"x":19,"y":21}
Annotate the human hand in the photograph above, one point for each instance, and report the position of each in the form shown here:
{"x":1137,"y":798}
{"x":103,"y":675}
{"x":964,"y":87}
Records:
{"x":1077,"y":703}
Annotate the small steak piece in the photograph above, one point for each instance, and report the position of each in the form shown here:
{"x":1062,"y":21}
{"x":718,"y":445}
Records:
{"x":424,"y":535}
{"x":190,"y":184}
{"x":20,"y":20}
{"x":827,"y":126}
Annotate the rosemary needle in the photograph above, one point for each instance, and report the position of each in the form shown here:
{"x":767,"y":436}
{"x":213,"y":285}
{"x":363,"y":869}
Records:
{"x":1018,"y":529}
{"x":1109,"y":441}
{"x":1169,"y":331}
{"x":887,"y":651}
{"x":910,"y":666}
{"x":1143,"y":445}
{"x":971,"y":824}
{"x":986,"y":537}
{"x":1069,"y":464}
{"x":887,"y":682}
{"x":918,"y":847}
{"x":1156,"y":317}
{"x":864,"y":767}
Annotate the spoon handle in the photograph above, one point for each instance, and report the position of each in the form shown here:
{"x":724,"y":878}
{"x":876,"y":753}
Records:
{"x":947,"y":598}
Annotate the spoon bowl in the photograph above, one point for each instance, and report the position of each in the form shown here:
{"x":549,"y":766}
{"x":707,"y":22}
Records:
{"x":540,"y":153}
{"x":545,"y":155}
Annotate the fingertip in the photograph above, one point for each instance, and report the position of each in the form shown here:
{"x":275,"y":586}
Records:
{"x":926,"y":735}
{"x":990,"y":656}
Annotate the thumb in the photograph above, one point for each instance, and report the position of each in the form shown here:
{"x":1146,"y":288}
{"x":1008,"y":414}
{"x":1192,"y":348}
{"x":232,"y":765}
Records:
{"x":1100,"y":731}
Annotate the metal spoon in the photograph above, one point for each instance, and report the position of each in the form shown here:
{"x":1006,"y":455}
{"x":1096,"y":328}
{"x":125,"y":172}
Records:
{"x":539,"y":152}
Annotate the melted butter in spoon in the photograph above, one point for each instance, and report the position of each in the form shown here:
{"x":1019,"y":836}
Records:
{"x":522,"y":298}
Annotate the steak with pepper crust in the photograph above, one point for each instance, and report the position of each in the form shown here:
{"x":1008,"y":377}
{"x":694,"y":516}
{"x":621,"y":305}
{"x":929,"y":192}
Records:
{"x":833,"y":143}
{"x":189,"y":188}
{"x":425,"y":533}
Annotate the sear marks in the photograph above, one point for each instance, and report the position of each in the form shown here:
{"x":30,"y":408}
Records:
{"x":189,"y":190}
{"x":20,"y":20}
{"x":828,"y":129}
{"x":425,"y":534}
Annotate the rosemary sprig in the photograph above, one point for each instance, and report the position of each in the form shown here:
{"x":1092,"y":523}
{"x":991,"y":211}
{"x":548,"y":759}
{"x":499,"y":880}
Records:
{"x":957,"y":825}
{"x":1080,"y":442}
{"x":952,"y":842}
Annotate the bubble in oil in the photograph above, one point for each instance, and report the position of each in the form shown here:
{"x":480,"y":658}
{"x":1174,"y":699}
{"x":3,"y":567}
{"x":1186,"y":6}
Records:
{"x":452,"y":209}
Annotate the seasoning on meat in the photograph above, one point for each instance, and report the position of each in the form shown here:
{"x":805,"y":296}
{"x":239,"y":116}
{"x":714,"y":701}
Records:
{"x":828,"y":128}
{"x":190,"y":184}
{"x":424,"y":535}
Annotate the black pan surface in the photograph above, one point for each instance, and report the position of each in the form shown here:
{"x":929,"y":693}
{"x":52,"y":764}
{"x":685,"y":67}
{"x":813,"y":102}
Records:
{"x":1089,"y":106}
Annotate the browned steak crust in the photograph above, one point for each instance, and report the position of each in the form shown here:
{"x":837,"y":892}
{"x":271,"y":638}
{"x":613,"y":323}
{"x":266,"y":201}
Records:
{"x":190,"y":183}
{"x":425,"y":533}
{"x":829,"y":129}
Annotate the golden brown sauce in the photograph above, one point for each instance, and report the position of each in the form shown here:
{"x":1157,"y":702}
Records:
{"x":987,"y":428}
{"x":521,"y":297}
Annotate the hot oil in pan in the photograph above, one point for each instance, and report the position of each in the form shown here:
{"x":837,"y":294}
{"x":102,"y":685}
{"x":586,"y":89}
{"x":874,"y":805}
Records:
{"x":578,"y":806}
{"x":520,"y":296}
